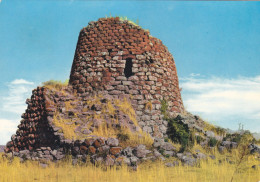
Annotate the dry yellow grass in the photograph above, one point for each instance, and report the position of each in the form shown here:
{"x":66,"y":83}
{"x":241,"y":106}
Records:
{"x":208,"y":171}
{"x":126,"y":107}
{"x":149,"y":105}
{"x":55,"y":84}
{"x":68,"y":130}
{"x":104,"y":130}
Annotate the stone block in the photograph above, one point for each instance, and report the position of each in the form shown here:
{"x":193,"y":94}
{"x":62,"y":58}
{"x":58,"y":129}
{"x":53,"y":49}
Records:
{"x":112,"y":142}
{"x":115,"y":150}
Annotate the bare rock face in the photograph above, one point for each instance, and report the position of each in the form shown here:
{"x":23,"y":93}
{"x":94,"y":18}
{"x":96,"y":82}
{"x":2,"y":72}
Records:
{"x":112,"y":142}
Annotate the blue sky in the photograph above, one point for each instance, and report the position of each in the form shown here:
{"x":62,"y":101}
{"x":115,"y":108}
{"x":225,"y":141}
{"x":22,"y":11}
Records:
{"x":215,"y":46}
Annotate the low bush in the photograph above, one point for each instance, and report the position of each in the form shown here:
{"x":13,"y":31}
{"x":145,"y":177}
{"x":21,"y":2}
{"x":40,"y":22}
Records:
{"x":212,"y":142}
{"x":198,"y":139}
{"x":179,"y":132}
{"x":161,"y":151}
{"x":219,"y":130}
{"x":166,"y":139}
{"x":239,"y":137}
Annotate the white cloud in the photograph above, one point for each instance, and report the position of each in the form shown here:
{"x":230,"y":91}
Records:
{"x":226,"y":101}
{"x":18,"y":91}
{"x":194,"y":74}
{"x":7,"y":128}
{"x":21,"y":81}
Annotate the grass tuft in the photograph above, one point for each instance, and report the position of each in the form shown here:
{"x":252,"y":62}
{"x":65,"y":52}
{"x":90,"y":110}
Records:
{"x":55,"y":84}
{"x":210,"y":170}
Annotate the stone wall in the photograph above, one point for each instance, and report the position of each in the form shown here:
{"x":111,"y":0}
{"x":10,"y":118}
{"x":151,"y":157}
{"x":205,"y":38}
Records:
{"x":34,"y":130}
{"x":40,"y":137}
{"x":58,"y":122}
{"x":118,"y":57}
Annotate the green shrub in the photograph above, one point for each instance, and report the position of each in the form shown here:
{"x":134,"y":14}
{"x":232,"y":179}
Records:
{"x":179,"y":132}
{"x":198,"y":139}
{"x":212,"y":142}
{"x":166,"y":140}
{"x":167,"y":156}
{"x":219,"y":130}
{"x":161,"y":151}
{"x":238,"y":137}
{"x":164,"y":108}
{"x":192,"y":138}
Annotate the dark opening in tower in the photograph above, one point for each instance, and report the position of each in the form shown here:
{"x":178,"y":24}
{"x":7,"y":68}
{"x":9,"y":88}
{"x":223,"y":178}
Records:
{"x":128,"y":68}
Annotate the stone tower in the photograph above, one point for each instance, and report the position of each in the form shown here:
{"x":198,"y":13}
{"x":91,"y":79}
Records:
{"x":117,"y":60}
{"x":118,"y":57}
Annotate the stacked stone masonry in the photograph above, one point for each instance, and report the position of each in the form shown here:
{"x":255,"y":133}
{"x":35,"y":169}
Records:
{"x":33,"y":131}
{"x":117,"y":57}
{"x":117,"y":60}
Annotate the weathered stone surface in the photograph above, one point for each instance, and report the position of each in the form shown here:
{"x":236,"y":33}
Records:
{"x":109,"y":161}
{"x":210,"y":134}
{"x":128,"y":151}
{"x":140,"y":151}
{"x":112,"y":142}
{"x":226,"y":144}
{"x":89,"y":142}
{"x":158,"y":142}
{"x":200,"y":156}
{"x":115,"y":150}
{"x":127,"y":161}
{"x":170,"y":153}
{"x":92,"y":150}
{"x":157,"y":153}
{"x":134,"y":160}
{"x":172,"y":164}
{"x":229,"y":144}
{"x":188,"y":160}
{"x":254,"y":148}
{"x":221,"y":149}
{"x":167,"y":146}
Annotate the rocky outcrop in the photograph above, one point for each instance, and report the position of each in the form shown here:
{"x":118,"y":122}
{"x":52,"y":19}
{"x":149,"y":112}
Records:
{"x":254,"y":148}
